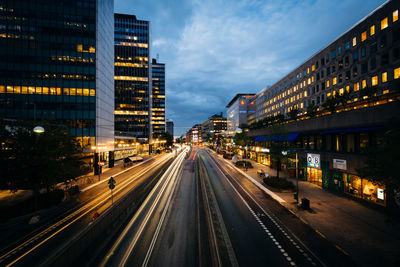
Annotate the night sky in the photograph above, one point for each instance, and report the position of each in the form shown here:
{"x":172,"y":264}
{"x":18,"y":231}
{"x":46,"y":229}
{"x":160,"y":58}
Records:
{"x":215,"y":49}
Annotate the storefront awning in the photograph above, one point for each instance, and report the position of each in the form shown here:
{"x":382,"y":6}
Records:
{"x":277,"y":137}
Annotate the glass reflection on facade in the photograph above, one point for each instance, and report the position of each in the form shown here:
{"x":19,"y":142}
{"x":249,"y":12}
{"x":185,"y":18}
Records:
{"x":158,"y":97}
{"x":48,"y":62}
{"x":132,"y":78}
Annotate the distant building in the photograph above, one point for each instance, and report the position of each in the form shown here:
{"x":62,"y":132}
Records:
{"x":215,"y":125}
{"x":158,"y":97}
{"x":170,"y":127}
{"x":237,"y":112}
{"x":132,"y":79}
{"x":194,"y":134}
{"x":56,"y":62}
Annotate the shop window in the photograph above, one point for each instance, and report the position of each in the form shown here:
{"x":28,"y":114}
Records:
{"x":364,"y":140}
{"x":319,"y":142}
{"x":350,"y":143}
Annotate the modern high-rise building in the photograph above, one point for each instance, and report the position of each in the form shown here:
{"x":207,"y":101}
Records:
{"x":170,"y":127}
{"x":132,"y":80}
{"x":56,"y":62}
{"x":158,"y":97}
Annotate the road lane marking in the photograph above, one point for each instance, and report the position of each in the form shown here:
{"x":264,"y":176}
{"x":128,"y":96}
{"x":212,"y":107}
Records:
{"x":270,"y":216}
{"x":98,"y":200}
{"x":170,"y":169}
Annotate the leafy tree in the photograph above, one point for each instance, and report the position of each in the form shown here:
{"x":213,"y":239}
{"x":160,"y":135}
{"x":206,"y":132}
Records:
{"x":342,"y":99}
{"x":241,"y":139}
{"x":168,"y":137}
{"x":331,"y":104}
{"x":293,"y":113}
{"x":311,"y":110}
{"x":28,"y":159}
{"x":369,"y":92}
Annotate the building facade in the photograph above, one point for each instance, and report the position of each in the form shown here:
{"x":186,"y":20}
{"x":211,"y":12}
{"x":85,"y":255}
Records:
{"x":158,"y":98}
{"x":56,"y":61}
{"x":215,"y":125}
{"x":238,"y":111}
{"x":347,"y":96}
{"x":132,"y":80}
{"x":194,"y":134}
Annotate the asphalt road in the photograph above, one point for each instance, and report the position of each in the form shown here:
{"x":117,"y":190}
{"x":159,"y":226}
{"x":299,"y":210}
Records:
{"x":35,"y":248}
{"x":203,"y":212}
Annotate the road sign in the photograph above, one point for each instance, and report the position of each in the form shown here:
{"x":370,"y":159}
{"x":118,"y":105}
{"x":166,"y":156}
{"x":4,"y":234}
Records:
{"x":111,"y":181}
{"x":111,"y":186}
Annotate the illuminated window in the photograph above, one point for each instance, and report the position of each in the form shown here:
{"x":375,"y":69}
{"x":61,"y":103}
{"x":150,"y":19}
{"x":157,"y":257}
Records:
{"x":313,"y":67}
{"x":385,"y":92}
{"x":334,"y":81}
{"x":341,"y":91}
{"x":309,"y":81}
{"x":301,"y":105}
{"x":17,"y":89}
{"x":328,"y":94}
{"x":45,"y":90}
{"x":348,"y":88}
{"x":24,"y":90}
{"x":363,"y":36}
{"x":305,"y":93}
{"x":395,"y":15}
{"x":364,"y":83}
{"x":372,"y":30}
{"x":384,"y":23}
{"x":2,"y":89}
{"x":356,"y":87}
{"x":384,"y":77}
{"x":327,"y":84}
{"x":354,"y":41}
{"x":374,"y":80}
{"x":397,"y":73}
{"x":10,"y":89}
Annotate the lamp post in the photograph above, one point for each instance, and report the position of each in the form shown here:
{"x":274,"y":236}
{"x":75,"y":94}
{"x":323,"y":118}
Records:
{"x":37,"y":130}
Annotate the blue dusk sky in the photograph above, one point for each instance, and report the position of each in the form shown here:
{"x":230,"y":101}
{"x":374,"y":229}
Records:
{"x":214,"y":49}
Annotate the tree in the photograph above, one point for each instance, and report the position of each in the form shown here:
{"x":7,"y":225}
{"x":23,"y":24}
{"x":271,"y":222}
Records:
{"x":368,"y":92}
{"x":293,"y":113}
{"x":29,"y":159}
{"x":168,"y":137}
{"x":331,"y":104}
{"x":382,"y":161}
{"x":311,"y":110}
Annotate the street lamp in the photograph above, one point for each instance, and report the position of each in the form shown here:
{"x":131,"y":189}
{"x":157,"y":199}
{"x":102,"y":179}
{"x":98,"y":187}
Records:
{"x":38,"y":129}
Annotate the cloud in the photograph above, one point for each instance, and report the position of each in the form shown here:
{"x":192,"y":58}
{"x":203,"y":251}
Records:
{"x":214,"y":49}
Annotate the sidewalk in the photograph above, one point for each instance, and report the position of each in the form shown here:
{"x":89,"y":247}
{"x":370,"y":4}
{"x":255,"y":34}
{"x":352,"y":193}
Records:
{"x":362,"y":232}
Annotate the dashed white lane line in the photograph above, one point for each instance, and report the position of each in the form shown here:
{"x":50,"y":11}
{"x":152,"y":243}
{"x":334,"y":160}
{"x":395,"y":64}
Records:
{"x":272,"y":220}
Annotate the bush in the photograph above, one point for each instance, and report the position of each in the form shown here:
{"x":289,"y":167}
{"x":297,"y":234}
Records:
{"x":279,"y":183}
{"x":244,"y":163}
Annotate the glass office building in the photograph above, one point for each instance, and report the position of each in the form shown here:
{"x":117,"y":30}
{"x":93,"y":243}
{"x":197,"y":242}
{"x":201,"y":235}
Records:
{"x":56,"y":62}
{"x":132,"y":79}
{"x":158,"y":98}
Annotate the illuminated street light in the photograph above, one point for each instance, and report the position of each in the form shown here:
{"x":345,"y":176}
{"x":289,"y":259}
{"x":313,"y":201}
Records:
{"x":38,"y":129}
